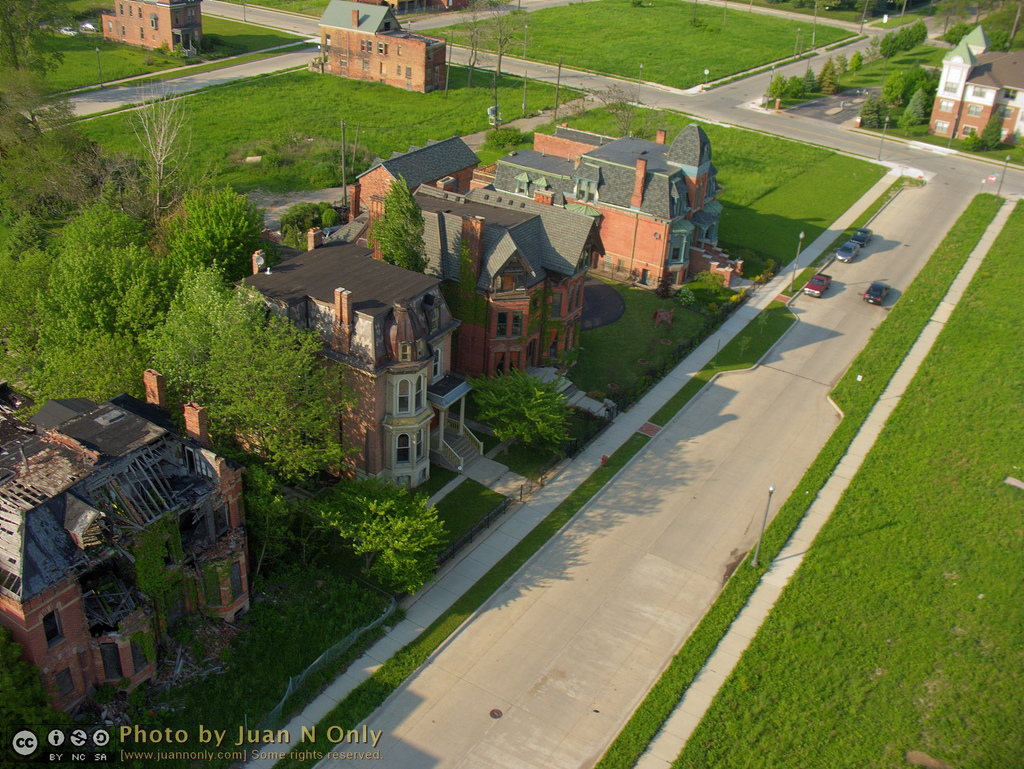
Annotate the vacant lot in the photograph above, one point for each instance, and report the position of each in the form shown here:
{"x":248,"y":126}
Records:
{"x":901,"y":631}
{"x":79,"y":68}
{"x":294,"y":122}
{"x":616,"y":36}
{"x":767,"y":205}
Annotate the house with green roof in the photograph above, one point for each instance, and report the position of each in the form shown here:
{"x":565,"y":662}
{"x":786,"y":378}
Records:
{"x":655,"y":203}
{"x":366,"y":42}
{"x":976,"y":84}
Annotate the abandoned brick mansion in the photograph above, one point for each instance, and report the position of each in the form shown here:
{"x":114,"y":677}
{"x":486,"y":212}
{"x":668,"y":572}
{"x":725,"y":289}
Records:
{"x":112,"y":526}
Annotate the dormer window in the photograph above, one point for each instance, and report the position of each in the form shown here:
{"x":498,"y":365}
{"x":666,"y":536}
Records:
{"x":421,"y":348}
{"x":586,"y":191}
{"x":404,"y":351}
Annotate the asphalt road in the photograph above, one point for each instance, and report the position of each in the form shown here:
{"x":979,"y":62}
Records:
{"x":569,"y":646}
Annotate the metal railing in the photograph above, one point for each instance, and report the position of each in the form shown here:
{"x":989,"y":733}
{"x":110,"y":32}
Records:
{"x":329,"y":656}
{"x":479,"y":526}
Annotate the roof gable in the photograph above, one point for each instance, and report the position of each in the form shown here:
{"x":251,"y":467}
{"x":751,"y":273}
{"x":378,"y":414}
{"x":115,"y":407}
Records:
{"x":372,"y":18}
{"x":423,"y":165}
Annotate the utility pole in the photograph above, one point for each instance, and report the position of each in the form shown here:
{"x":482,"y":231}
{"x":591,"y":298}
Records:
{"x":447,"y":63}
{"x":558,"y":82}
{"x":814,"y":29}
{"x":344,"y":177}
{"x":525,"y":29}
{"x":862,"y":17}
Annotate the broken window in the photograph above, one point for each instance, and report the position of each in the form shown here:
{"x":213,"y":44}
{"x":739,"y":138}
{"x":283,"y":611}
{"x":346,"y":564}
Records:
{"x":51,"y":627}
{"x":139,"y":660}
{"x":236,"y":580}
{"x":107,"y":599}
{"x":111,"y":661}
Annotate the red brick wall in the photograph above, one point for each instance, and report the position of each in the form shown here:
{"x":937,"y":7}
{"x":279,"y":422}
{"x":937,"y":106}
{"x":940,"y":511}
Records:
{"x":368,"y":415}
{"x":132,"y":15}
{"x":639,"y":242}
{"x":417,"y":58}
{"x":560,"y":146}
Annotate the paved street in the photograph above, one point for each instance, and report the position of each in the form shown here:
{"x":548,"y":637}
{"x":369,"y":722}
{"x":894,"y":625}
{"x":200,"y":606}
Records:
{"x":569,"y":646}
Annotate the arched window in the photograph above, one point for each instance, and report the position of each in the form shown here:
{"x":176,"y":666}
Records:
{"x":420,"y":381}
{"x":402,"y":449}
{"x":403,"y":396}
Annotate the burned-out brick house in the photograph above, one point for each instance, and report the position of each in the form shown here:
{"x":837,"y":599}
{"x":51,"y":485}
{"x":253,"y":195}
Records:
{"x":364,"y":41}
{"x":516,"y":268}
{"x":111,"y":527}
{"x":392,"y":330}
{"x":655,"y":203}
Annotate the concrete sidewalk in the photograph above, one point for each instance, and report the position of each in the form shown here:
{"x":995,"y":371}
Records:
{"x":457,"y":576}
{"x":675,"y":732}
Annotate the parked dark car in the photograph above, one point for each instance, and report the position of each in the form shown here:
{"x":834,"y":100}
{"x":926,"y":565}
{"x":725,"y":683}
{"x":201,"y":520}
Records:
{"x":876,"y":293}
{"x":848,"y":251}
{"x":818,"y":285}
{"x":862,"y":236}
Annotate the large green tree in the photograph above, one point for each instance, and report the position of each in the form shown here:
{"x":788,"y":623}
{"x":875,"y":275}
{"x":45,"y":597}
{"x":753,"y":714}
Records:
{"x":394,"y":532}
{"x":992,"y":133}
{"x":262,"y":380}
{"x":22,"y":697}
{"x":523,"y":407}
{"x":24,"y":27}
{"x":215,"y":228}
{"x":399,"y":231}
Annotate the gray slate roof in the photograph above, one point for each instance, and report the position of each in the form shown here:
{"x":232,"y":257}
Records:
{"x":423,"y":165}
{"x":998,"y":70}
{"x":549,"y":238}
{"x":338,"y":14}
{"x":691,"y":147}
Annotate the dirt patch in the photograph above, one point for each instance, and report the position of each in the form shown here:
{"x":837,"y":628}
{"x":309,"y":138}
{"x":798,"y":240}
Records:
{"x":733,"y":564}
{"x":917,"y":758}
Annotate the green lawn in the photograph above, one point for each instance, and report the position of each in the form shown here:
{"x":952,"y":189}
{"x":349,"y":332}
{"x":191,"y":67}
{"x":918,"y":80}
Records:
{"x":461,"y":509}
{"x":870,"y":75}
{"x":611,"y":355}
{"x":895,"y":21}
{"x":856,"y":393}
{"x":616,"y":37}
{"x":117,"y":60}
{"x":902,"y":629}
{"x":767,"y":204}
{"x":276,"y":116}
{"x":308,"y":7}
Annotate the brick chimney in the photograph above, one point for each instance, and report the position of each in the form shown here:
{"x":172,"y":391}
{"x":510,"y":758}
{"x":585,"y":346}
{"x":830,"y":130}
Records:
{"x":544,"y":196}
{"x":660,"y":137}
{"x":257,"y":255}
{"x":448,"y":184}
{"x":355,"y":18}
{"x":353,"y":196}
{"x":195,"y":423}
{"x":156,"y":389}
{"x":638,"y":183}
{"x":343,"y":321}
{"x":473,"y":233}
{"x":314,"y":238}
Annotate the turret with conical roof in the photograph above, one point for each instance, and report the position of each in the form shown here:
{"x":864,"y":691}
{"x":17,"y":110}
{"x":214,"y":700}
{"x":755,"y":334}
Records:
{"x":691,"y":147}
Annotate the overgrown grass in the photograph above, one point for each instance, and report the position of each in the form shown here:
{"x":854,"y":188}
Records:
{"x":370,"y":694}
{"x":118,"y":60}
{"x":875,"y":365}
{"x":616,"y":37}
{"x":923,"y":649}
{"x":464,"y":506}
{"x":611,"y":354}
{"x":742,"y":351}
{"x":277,"y":116}
{"x":870,"y":75}
{"x":766,"y":205}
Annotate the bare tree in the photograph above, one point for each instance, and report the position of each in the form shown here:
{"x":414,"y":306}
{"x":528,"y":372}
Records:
{"x":165,"y":137}
{"x":474,"y":11}
{"x":623,"y":104}
{"x":504,"y":27}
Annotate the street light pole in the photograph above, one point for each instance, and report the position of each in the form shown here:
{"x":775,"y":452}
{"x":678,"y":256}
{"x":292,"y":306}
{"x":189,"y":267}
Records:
{"x":999,"y":191}
{"x":243,"y":10}
{"x":764,"y":523}
{"x":768,"y":93}
{"x":862,"y":17}
{"x":882,"y":145}
{"x":792,"y":278}
{"x":639,"y":81}
{"x":706,"y":73}
{"x":797,"y":40}
{"x":814,"y":29}
{"x":98,"y":67}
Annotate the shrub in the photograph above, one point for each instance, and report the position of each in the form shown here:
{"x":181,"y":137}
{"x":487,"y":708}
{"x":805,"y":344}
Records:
{"x":973,"y":143}
{"x":330,"y":218}
{"x":958,"y":32}
{"x":795,"y":87}
{"x":505,"y":138}
{"x":992,"y":133}
{"x":271,"y":160}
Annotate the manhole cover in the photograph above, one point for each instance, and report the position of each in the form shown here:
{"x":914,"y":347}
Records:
{"x":495,"y":713}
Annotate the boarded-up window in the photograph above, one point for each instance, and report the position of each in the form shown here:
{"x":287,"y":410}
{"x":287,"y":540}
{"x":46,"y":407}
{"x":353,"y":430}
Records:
{"x":111,"y":661}
{"x":65,"y":684}
{"x":236,"y":580}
